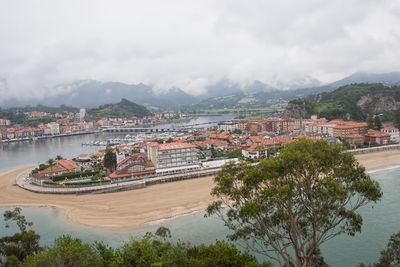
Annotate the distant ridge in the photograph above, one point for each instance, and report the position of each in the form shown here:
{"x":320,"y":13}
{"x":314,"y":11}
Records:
{"x":124,"y":108}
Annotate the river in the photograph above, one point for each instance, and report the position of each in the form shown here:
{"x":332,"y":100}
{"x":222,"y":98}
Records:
{"x":380,"y":220}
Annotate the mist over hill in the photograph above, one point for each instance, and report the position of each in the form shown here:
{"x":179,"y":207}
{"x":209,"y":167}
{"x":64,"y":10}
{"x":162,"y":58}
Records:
{"x":223,"y":94}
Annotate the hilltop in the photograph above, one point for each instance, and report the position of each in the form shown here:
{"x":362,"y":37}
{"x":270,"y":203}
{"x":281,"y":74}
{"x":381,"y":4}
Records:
{"x":124,"y":108}
{"x":354,"y":101}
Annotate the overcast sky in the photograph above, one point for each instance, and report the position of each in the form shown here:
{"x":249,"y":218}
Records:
{"x":192,"y":44}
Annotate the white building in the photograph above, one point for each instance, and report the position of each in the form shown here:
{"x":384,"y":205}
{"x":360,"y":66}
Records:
{"x":82,"y":113}
{"x":255,"y":152}
{"x":171,"y":155}
{"x":54,"y":128}
{"x":227,"y":126}
{"x":394,"y":133}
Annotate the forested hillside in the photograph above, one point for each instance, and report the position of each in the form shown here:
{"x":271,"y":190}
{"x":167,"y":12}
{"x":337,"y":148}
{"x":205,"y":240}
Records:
{"x":354,"y":101}
{"x":125,"y":108}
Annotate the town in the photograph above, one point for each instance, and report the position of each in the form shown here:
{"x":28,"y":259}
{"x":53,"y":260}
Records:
{"x":65,"y":124}
{"x":206,"y":148}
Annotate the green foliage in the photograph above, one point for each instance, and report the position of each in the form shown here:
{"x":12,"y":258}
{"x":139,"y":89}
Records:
{"x":237,"y":131}
{"x":295,"y":201}
{"x":18,"y":117}
{"x":377,"y":123}
{"x":396,"y":120}
{"x":110,"y":159}
{"x":67,"y":251}
{"x":147,"y":251}
{"x":74,"y":174}
{"x":344,"y":102}
{"x":125,"y":108}
{"x":17,"y":247}
{"x":237,"y":153}
{"x":391,"y":255}
{"x":370,"y":122}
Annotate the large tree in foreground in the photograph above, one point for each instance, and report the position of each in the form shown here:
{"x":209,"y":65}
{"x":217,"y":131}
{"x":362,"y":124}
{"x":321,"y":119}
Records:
{"x":287,"y":206}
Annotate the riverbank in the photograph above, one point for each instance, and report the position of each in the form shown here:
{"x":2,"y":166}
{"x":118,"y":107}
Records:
{"x":133,"y":208}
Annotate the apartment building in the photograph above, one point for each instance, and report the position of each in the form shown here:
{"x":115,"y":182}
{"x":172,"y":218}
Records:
{"x":227,"y":126}
{"x":279,"y":125}
{"x":394,"y":133}
{"x":171,"y":155}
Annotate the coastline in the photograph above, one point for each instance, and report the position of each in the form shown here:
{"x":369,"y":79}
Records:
{"x":130,"y":209}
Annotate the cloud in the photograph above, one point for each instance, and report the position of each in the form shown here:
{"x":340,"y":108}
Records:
{"x":191,"y":44}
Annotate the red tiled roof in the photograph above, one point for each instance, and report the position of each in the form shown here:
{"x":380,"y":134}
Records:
{"x":115,"y":175}
{"x":170,"y":146}
{"x":67,"y":164}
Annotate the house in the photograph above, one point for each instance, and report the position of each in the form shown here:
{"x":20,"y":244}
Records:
{"x":254,"y":151}
{"x":133,"y":166}
{"x":255,"y":140}
{"x":394,"y":133}
{"x":63,"y":165}
{"x":377,"y":137}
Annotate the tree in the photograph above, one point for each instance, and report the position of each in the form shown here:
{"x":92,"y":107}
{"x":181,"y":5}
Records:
{"x":50,"y":162}
{"x":59,"y":157}
{"x":391,"y":255}
{"x":397,"y":119}
{"x":370,"y":122}
{"x":237,"y":131}
{"x":110,"y":159}
{"x":67,"y":251}
{"x":377,"y":123}
{"x":17,"y":247}
{"x":296,"y":201}
{"x":152,"y":250}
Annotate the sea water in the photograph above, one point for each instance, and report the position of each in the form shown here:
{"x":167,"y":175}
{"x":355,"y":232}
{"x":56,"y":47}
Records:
{"x":380,"y":220}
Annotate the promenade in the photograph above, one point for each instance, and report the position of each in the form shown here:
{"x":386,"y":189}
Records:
{"x":23,"y":181}
{"x":374,"y":149}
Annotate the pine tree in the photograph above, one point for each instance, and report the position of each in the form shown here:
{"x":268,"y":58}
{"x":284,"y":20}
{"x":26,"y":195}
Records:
{"x":110,"y":159}
{"x":370,"y":122}
{"x":378,"y":123}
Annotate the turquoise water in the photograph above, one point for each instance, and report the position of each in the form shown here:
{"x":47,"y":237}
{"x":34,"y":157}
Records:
{"x":82,"y":181}
{"x":380,"y":221}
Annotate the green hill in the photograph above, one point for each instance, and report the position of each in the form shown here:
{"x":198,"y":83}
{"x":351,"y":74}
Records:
{"x":125,"y":108}
{"x":354,"y":101}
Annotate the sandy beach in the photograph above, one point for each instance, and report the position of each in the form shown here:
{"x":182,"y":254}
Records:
{"x":136,"y":207}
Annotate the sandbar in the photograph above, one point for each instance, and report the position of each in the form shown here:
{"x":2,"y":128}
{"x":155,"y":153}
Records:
{"x":136,"y":207}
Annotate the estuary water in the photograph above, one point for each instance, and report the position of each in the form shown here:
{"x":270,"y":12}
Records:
{"x":380,"y":220}
{"x":13,"y":155}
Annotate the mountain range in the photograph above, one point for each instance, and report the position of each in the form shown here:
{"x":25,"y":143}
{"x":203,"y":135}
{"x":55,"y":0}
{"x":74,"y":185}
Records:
{"x":224,"y":94}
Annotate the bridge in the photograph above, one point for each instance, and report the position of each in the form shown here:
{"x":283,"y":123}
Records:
{"x":141,"y":130}
{"x":157,"y":130}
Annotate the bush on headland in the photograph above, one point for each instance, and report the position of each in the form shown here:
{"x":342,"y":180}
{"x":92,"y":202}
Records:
{"x":23,"y":249}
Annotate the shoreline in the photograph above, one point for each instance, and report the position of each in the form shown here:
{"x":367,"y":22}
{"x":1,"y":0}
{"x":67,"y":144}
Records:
{"x":141,"y":207}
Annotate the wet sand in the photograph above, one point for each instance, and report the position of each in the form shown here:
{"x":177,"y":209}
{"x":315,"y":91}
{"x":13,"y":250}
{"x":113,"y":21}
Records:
{"x":136,"y":207}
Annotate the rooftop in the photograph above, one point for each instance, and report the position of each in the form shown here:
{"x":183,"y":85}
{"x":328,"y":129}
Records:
{"x":170,"y":146}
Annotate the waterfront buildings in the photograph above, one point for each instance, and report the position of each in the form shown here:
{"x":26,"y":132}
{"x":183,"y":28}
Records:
{"x":171,"y":155}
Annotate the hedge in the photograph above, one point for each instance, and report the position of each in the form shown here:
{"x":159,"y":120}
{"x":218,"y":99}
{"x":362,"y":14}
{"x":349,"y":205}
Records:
{"x":71,"y":175}
{"x":86,"y":183}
